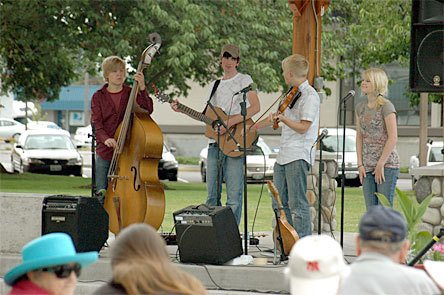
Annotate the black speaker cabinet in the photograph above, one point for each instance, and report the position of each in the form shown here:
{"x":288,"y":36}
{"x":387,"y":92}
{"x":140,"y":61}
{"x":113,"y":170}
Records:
{"x":83,"y":218}
{"x":207,"y":235}
{"x":427,"y":43}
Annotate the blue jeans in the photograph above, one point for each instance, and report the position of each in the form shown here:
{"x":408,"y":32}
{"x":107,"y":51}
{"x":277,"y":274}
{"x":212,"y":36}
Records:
{"x":291,"y":181}
{"x":387,"y":188}
{"x":102,"y":167}
{"x":233,"y":173}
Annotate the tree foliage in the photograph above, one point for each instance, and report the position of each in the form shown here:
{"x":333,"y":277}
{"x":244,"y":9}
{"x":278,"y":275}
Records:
{"x":363,"y":33}
{"x":48,"y":44}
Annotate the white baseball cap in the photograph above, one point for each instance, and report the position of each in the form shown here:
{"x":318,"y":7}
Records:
{"x":316,"y":266}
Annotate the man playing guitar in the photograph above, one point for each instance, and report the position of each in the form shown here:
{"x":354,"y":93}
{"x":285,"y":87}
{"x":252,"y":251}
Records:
{"x":226,"y":98}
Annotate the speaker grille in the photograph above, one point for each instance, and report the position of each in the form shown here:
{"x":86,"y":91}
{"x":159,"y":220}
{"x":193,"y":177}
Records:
{"x":207,"y":234}
{"x":83,"y":218}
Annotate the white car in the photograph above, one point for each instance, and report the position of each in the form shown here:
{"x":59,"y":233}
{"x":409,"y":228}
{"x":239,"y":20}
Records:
{"x":81,"y":136}
{"x":435,"y":156}
{"x":168,"y":165}
{"x":260,"y":162}
{"x":10,"y":129}
{"x":46,"y":151}
{"x":333,"y":143}
{"x":34,"y":125}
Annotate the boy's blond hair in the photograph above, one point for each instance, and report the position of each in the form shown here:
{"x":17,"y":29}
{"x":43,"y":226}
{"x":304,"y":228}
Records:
{"x":297,"y":65}
{"x":111,"y":64}
{"x":378,"y":78}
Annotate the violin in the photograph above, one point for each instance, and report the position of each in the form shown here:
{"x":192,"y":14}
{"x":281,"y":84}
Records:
{"x":289,"y":100}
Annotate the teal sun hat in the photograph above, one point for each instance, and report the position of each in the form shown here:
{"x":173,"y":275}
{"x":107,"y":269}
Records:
{"x":49,"y":250}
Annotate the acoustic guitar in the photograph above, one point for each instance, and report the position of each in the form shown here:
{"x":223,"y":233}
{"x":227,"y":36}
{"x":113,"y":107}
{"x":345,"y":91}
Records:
{"x":226,"y":143}
{"x":288,"y":233}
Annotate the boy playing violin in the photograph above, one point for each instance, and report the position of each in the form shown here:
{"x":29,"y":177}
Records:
{"x":300,"y":123}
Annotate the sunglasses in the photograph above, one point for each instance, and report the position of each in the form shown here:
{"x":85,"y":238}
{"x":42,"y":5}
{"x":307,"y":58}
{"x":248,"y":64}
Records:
{"x":64,"y":271}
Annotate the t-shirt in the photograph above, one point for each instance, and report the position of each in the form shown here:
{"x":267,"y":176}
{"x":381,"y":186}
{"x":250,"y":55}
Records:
{"x":115,"y":97}
{"x":223,"y":97}
{"x":374,"y":134}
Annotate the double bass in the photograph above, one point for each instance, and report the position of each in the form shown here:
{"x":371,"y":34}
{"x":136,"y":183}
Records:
{"x":134,"y":193}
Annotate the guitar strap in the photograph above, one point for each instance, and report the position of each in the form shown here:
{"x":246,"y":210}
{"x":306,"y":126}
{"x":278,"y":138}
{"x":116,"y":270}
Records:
{"x":216,"y":84}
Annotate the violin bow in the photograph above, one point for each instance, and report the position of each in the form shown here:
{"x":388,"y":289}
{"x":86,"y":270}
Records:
{"x":272,"y":105}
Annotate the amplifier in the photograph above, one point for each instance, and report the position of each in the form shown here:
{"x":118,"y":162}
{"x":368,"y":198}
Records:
{"x":83,"y":218}
{"x":207,"y":234}
{"x":193,"y":215}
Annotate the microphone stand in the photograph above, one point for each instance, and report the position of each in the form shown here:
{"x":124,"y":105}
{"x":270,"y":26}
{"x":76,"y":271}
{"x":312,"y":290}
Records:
{"x":93,"y":160}
{"x":243,"y":105}
{"x":427,"y":247}
{"x":320,"y":188}
{"x":343,"y":171}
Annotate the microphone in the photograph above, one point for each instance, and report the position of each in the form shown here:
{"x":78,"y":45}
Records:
{"x":321,"y":136}
{"x":250,"y":87}
{"x":351,"y":93}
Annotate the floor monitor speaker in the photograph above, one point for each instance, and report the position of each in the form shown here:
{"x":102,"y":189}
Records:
{"x":207,"y":234}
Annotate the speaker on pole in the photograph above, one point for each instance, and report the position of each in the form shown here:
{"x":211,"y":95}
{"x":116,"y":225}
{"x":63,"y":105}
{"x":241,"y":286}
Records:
{"x":427,"y":42}
{"x":83,"y":218}
{"x":207,"y":235}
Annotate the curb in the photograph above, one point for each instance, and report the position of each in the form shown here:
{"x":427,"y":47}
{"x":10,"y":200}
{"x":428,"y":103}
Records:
{"x":189,"y":168}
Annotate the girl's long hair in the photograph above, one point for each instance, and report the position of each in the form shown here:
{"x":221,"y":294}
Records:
{"x":141,"y":264}
{"x":379,"y":80}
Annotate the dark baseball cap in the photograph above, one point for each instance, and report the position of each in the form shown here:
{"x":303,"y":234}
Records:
{"x":383,"y":224}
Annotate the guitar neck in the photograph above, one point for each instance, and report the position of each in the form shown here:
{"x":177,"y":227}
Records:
{"x":194,"y":114}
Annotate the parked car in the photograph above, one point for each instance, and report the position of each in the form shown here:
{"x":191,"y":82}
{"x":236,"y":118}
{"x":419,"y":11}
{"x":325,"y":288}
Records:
{"x":47,"y":151}
{"x":10,"y":129}
{"x":260,"y":162}
{"x":81,"y":136}
{"x":168,"y":165}
{"x":34,"y":125}
{"x":333,"y":143}
{"x":435,"y":156}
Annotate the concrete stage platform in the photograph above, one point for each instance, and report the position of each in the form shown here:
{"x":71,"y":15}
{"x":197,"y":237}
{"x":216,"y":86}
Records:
{"x":265,"y":277}
{"x":218,"y":279}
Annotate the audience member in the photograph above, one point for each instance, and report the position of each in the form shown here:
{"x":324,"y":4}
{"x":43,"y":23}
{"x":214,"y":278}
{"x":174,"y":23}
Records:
{"x":316,"y":266}
{"x":435,"y":269}
{"x":141,"y":265}
{"x":382,"y":248}
{"x":50,"y":265}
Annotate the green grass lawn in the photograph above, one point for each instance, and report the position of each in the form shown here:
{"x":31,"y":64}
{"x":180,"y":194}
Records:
{"x":180,"y":195}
